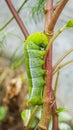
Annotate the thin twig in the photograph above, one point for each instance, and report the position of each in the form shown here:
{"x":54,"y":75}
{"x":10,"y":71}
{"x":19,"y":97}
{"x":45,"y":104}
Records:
{"x":17,"y":17}
{"x":62,"y":65}
{"x":62,"y":58}
{"x":32,"y":117}
{"x":56,"y":82}
{"x":55,"y":36}
{"x":8,"y":21}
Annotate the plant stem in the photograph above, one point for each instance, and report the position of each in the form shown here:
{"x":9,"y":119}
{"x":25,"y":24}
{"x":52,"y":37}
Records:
{"x":46,"y":113}
{"x":56,"y":82}
{"x":8,"y":21}
{"x":55,"y":36}
{"x":63,"y":65}
{"x":32,"y":117}
{"x":17,"y":17}
{"x":48,"y":94}
{"x":57,"y":13}
{"x":62,"y":58}
{"x":55,"y":115}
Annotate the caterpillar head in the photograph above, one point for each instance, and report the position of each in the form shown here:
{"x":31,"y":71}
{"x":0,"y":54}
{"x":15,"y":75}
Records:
{"x":38,"y":38}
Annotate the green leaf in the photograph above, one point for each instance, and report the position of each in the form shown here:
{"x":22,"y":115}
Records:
{"x":38,"y":115}
{"x":36,"y":10}
{"x":26,"y":116}
{"x":3,"y":112}
{"x":64,"y":116}
{"x":69,"y":23}
{"x":61,"y":109}
{"x":64,"y":126}
{"x":34,"y":123}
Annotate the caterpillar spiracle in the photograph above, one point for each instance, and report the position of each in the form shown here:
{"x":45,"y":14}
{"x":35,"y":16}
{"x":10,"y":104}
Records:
{"x":34,"y":51}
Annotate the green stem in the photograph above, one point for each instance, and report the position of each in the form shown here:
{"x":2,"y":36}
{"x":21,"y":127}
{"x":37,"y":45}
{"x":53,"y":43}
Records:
{"x":8,"y":21}
{"x":62,"y":58}
{"x":55,"y":36}
{"x":56,"y":82}
{"x":32,"y":117}
{"x":63,"y":65}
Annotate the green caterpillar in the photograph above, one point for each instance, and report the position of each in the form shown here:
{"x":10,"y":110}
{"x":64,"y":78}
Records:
{"x":34,"y":50}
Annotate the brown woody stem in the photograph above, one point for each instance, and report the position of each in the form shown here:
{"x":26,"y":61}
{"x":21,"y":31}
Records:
{"x":57,"y":13}
{"x":17,"y":17}
{"x":47,"y":95}
{"x":54,"y":114}
{"x":10,"y":19}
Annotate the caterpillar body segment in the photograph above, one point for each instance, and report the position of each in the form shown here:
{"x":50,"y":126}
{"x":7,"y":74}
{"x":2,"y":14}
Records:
{"x":34,"y":50}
